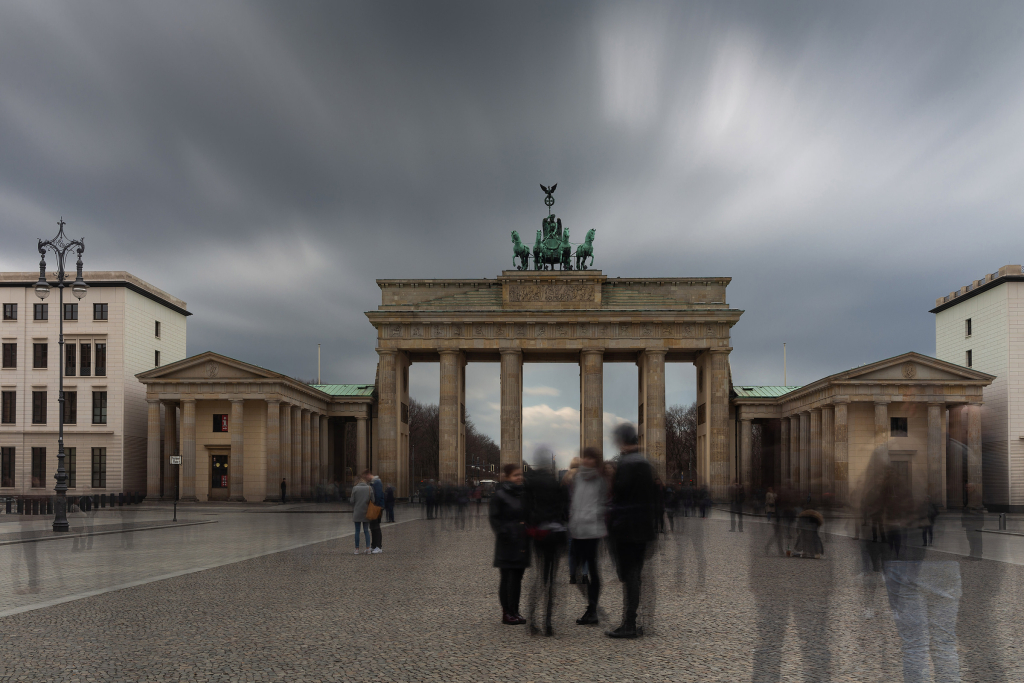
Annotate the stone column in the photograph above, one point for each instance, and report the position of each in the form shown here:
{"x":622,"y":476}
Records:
{"x":285,"y":472}
{"x":654,"y":409}
{"x":935,"y":414}
{"x":718,"y":407}
{"x":153,"y":449}
{"x":188,"y":449}
{"x":295,"y":480}
{"x":314,"y":452}
{"x":805,"y":454}
{"x":511,"y":407}
{"x":448,"y":410}
{"x":955,"y":458}
{"x":237,"y":461}
{"x":273,"y":446}
{"x":307,"y":472}
{"x":746,"y":436}
{"x":332,"y":449}
{"x":325,"y":452}
{"x":170,"y":448}
{"x":592,"y":399}
{"x":974,"y":497}
{"x":842,"y":453}
{"x":794,"y":453}
{"x":814,"y":455}
{"x":360,"y":444}
{"x":828,"y":455}
{"x":882,"y":432}
{"x":783,"y":468}
{"x":388,"y":414}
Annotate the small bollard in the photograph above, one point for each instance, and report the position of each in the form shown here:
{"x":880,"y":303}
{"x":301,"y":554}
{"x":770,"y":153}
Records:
{"x":8,"y":507}
{"x":21,"y":506}
{"x":49,"y":506}
{"x":120,"y":500}
{"x":1002,"y":521}
{"x":103,"y":500}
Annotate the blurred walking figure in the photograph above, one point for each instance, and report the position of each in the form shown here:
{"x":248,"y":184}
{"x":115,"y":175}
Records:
{"x":589,"y":494}
{"x":930,"y":512}
{"x":631,"y":523}
{"x":378,"y":499}
{"x":703,"y":499}
{"x":574,"y":564}
{"x":736,"y":497}
{"x":671,"y":505}
{"x":429,"y":496}
{"x":284,"y":491}
{"x":389,"y":502}
{"x":546,"y":506}
{"x":511,"y":544}
{"x":362,"y":494}
{"x":769,"y":503}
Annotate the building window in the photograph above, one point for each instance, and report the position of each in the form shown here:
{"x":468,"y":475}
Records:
{"x":70,"y":356}
{"x":70,"y":407}
{"x":7,"y":466}
{"x":8,"y":408}
{"x":38,"y":467}
{"x":71,"y":311}
{"x":99,"y":407}
{"x":156,"y":359}
{"x":86,"y":353}
{"x":220,"y":423}
{"x":967,"y":327}
{"x":101,"y":360}
{"x":897,"y":426}
{"x":11,"y":355}
{"x":70,"y":467}
{"x":41,"y":312}
{"x":970,"y":358}
{"x":38,"y":407}
{"x":99,"y":311}
{"x":156,"y":329}
{"x":99,"y":468}
{"x":10,"y":311}
{"x":39,"y":355}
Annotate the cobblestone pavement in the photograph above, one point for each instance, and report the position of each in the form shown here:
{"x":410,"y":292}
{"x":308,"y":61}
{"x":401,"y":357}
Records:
{"x":426,"y":609}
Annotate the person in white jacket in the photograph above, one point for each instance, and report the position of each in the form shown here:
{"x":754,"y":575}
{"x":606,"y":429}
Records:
{"x":588,"y":500}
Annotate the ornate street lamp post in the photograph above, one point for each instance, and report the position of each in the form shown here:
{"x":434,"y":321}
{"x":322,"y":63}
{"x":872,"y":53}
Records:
{"x":60,"y":245}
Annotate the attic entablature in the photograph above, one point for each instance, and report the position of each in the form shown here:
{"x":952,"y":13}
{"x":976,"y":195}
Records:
{"x":1008,"y":273}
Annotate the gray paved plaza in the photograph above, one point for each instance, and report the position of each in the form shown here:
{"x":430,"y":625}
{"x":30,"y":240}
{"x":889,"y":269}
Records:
{"x":267,"y":595}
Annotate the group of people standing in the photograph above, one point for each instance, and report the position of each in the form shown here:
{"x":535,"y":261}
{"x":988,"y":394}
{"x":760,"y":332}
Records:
{"x":535,"y":516}
{"x":369,"y":489}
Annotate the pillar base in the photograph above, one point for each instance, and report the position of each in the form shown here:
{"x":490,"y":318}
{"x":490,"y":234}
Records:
{"x":188,"y":499}
{"x":236,"y":499}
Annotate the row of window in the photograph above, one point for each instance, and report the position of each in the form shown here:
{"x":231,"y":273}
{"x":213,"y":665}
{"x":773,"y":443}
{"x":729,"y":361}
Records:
{"x":42,"y":311}
{"x":78,"y":358}
{"x":9,"y":412}
{"x":99,"y":467}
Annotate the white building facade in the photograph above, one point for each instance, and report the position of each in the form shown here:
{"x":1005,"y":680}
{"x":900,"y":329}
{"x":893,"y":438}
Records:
{"x":981,"y":326}
{"x":122,"y":327}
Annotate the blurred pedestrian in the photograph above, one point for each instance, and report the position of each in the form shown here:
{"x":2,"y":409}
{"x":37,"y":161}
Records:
{"x":736,"y":498}
{"x":378,"y":499}
{"x":769,"y":503}
{"x":362,"y":495}
{"x":511,"y":544}
{"x":587,"y":508}
{"x":546,"y":507}
{"x":631,"y":525}
{"x":389,"y":502}
{"x":284,"y":491}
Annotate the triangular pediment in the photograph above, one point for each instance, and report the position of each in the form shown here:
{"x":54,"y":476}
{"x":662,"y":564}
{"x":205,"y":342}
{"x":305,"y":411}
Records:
{"x":914,"y":367}
{"x":210,"y":366}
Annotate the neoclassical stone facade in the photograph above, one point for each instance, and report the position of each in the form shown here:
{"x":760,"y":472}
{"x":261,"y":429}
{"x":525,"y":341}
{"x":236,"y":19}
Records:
{"x":240,"y":429}
{"x":827,"y":439}
{"x":553,"y":316}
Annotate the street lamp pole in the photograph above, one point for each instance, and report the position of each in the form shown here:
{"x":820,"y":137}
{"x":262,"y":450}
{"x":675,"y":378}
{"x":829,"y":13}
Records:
{"x":60,"y":245}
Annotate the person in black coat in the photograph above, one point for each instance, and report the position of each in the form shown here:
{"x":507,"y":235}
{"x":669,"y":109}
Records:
{"x":631,"y":522}
{"x":511,"y":544}
{"x":546,"y":504}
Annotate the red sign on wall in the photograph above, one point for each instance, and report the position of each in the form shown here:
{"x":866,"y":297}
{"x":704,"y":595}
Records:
{"x":223,"y":481}
{"x":223,"y":423}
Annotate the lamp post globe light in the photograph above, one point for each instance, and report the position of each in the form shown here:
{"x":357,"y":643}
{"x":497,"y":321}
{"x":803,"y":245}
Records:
{"x":60,"y":246}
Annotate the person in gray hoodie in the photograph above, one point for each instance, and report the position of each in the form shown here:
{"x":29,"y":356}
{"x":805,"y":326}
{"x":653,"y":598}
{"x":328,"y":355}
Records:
{"x":362,"y":494}
{"x":588,"y":502}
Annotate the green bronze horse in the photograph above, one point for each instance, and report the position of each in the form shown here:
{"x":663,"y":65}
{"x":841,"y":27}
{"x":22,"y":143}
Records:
{"x":552,"y":246}
{"x":584,"y":250}
{"x":521,"y":251}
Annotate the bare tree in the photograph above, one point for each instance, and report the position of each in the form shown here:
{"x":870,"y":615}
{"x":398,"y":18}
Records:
{"x":482,"y":454}
{"x":681,"y":441}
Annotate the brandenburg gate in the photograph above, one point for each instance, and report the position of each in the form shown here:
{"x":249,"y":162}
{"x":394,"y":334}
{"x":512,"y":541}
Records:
{"x":578,"y":316}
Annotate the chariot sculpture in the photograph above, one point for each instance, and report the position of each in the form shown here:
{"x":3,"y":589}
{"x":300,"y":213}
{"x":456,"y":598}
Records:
{"x":551,"y":246}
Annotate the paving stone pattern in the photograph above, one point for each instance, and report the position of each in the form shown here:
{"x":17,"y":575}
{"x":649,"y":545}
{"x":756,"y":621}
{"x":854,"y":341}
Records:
{"x":426,"y":610}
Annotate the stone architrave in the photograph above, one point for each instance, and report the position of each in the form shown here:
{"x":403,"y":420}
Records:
{"x":153,"y":449}
{"x":511,"y":407}
{"x":273,"y":448}
{"x":842,"y":452}
{"x":237,"y":458}
{"x":188,"y":450}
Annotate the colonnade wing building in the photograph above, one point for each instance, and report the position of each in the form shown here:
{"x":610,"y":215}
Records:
{"x":553,"y":316}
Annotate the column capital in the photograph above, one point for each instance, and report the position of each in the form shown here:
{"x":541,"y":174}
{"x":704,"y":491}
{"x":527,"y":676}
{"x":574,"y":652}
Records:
{"x":814,"y":410}
{"x":306,"y":411}
{"x":188,"y":401}
{"x":273,"y":401}
{"x":882,"y":402}
{"x":841,"y":400}
{"x":387,"y":352}
{"x":654,"y":352}
{"x":361,"y":418}
{"x":447,"y":352}
{"x":720,"y":349}
{"x":593,"y":349}
{"x":237,"y":400}
{"x":510,"y":351}
{"x":937,"y":403}
{"x":153,"y":401}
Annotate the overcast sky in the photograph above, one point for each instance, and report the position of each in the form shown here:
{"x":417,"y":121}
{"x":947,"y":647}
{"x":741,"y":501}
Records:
{"x":844,"y":163}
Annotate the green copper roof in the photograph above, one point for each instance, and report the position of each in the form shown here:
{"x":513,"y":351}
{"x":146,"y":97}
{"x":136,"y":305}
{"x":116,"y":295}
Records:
{"x":345,"y":389}
{"x":762,"y":392}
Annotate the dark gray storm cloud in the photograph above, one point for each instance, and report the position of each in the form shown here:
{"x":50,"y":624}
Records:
{"x":845,"y":163}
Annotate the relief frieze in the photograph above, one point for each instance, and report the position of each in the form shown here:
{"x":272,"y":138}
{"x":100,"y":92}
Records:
{"x":557,"y":293}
